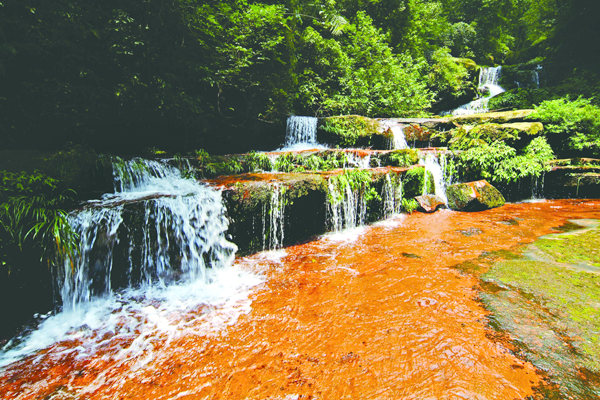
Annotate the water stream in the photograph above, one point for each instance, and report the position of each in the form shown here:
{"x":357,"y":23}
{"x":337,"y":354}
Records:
{"x":382,"y":315}
{"x":488,"y":85}
{"x":151,"y":255}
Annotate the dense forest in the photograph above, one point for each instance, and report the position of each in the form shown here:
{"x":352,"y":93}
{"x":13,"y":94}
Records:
{"x":224,"y":75}
{"x":81,"y":78}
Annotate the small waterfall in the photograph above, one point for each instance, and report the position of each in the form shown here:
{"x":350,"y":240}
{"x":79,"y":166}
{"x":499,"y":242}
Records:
{"x":392,"y":196}
{"x":537,"y":186}
{"x":180,"y":233}
{"x":356,"y":161}
{"x":274,"y":219}
{"x":149,"y":266}
{"x":488,"y":84}
{"x":435,"y":166}
{"x":301,"y":131}
{"x":397,"y":138}
{"x":346,"y":206}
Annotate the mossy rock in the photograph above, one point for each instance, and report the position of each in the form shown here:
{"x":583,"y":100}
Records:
{"x":495,"y":117}
{"x":473,"y":196}
{"x":417,"y":181}
{"x":400,"y":158}
{"x":350,"y":131}
{"x":549,"y":302}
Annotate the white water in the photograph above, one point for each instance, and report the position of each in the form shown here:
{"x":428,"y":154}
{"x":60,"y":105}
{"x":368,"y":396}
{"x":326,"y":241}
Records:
{"x":346,"y":208}
{"x":488,"y":82}
{"x":392,"y":197}
{"x":179,"y":273}
{"x":301,"y":134}
{"x":274,"y":219}
{"x":357,"y":161}
{"x":398,"y":139}
{"x":436,"y":168}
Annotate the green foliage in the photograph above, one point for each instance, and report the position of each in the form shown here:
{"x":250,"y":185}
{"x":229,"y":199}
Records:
{"x":409,"y":205}
{"x":257,"y":162}
{"x":403,"y":158}
{"x":498,"y":162}
{"x":571,"y":125}
{"x":463,"y":139}
{"x":358,"y":180}
{"x":417,"y":181}
{"x":357,"y":73}
{"x":350,"y":128}
{"x":448,"y":74}
{"x":325,"y":161}
{"x":31,"y":212}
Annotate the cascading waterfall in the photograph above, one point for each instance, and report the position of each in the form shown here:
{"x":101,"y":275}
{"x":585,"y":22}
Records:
{"x":435,"y":166}
{"x":346,"y":208}
{"x":488,"y":84}
{"x":397,"y":139}
{"x":150,"y":256}
{"x":301,"y":133}
{"x":181,"y":236}
{"x":392,"y":196}
{"x":274,"y":219}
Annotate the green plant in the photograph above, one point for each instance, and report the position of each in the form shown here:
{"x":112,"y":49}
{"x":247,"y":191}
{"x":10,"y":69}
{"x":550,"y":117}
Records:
{"x":257,"y":162}
{"x":203,"y":157}
{"x":409,"y":205}
{"x":357,"y":180}
{"x":31,"y":210}
{"x":571,"y":125}
{"x":403,"y":158}
{"x":350,"y":128}
{"x":499,"y":162}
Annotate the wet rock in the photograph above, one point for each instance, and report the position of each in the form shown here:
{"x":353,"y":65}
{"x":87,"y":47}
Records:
{"x":429,"y":203}
{"x":497,"y":117}
{"x":351,"y":131}
{"x":473,"y":196}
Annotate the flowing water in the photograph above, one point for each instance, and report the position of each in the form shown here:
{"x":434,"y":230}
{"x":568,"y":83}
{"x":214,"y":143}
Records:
{"x":488,"y":85}
{"x":382,"y":315}
{"x":301,"y":134}
{"x":397,"y":140}
{"x":151,"y":256}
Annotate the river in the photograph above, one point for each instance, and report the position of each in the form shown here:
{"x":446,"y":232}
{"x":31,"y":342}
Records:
{"x":375,"y":313}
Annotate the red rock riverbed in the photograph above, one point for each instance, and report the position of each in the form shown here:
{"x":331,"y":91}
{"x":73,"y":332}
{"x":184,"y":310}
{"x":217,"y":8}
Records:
{"x":381,"y":316}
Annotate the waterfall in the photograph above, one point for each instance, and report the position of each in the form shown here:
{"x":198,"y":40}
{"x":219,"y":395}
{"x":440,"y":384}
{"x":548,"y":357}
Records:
{"x":435,"y":167}
{"x":397,"y":139}
{"x":301,"y":133}
{"x":346,"y":206}
{"x":150,"y":261}
{"x":274,"y":219}
{"x":182,"y":233}
{"x":355,"y":160}
{"x":392,"y":196}
{"x":488,"y":84}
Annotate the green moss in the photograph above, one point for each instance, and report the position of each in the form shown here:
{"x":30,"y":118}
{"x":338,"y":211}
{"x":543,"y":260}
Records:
{"x":401,"y":158}
{"x":459,"y":196}
{"x":348,"y":129}
{"x":496,"y":117}
{"x":414,"y":182}
{"x":550,"y":303}
{"x":574,"y":247}
{"x":473,"y":197}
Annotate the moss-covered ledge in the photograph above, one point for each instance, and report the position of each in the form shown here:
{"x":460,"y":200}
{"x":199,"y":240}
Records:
{"x":495,"y":117}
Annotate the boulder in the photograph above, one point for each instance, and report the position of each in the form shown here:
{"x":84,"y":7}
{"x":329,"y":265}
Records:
{"x":473,"y":196}
{"x":429,"y":203}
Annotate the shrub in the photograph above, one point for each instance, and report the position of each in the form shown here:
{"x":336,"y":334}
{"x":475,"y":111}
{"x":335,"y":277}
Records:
{"x":571,"y":126}
{"x":498,"y":162}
